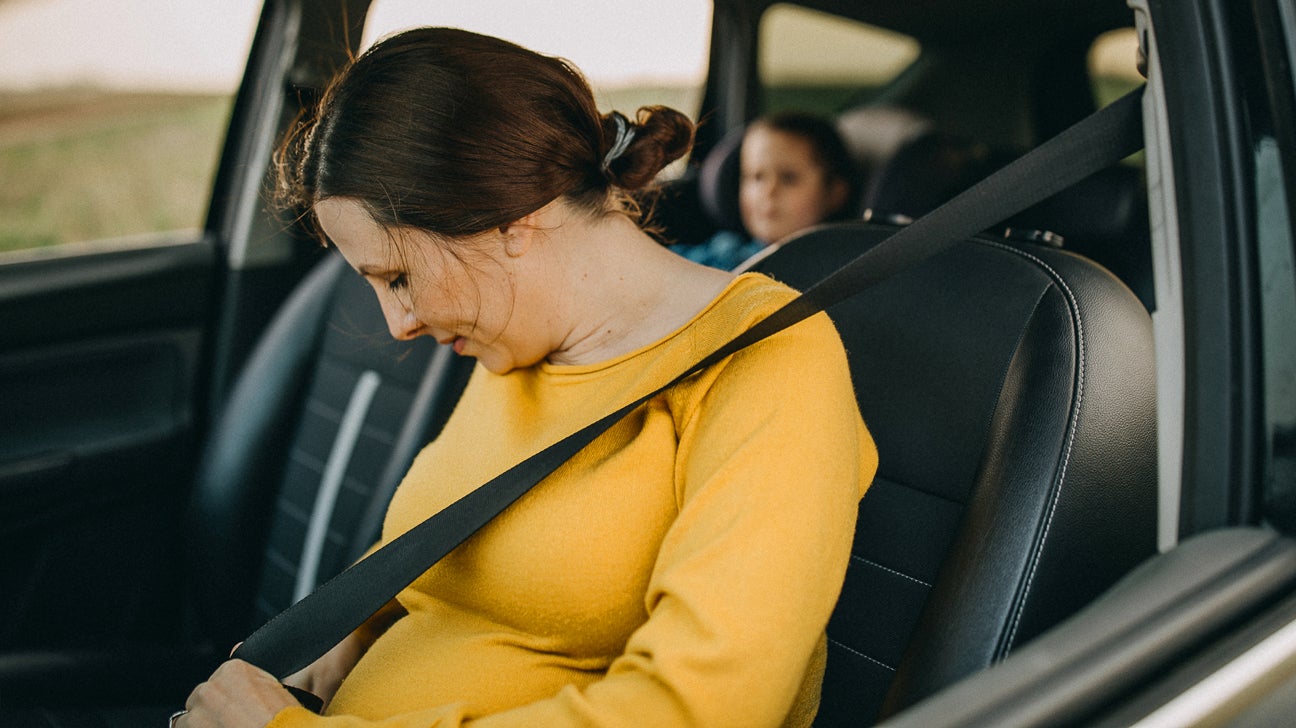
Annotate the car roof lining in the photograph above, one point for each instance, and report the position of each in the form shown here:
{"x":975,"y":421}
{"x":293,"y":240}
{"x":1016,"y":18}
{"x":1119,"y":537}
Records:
{"x":963,"y":22}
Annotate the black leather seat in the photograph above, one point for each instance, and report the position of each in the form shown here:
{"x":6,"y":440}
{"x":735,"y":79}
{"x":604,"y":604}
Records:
{"x":1011,"y":392}
{"x":321,"y":424}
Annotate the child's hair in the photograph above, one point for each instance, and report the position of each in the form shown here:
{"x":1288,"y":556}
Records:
{"x":826,"y":143}
{"x":456,"y":133}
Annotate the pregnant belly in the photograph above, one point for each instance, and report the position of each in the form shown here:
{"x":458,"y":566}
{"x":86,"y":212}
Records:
{"x":427,"y":661}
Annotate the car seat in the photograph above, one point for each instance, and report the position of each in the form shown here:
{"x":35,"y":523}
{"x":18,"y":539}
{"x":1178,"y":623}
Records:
{"x":1010,"y":390}
{"x":1104,"y":218}
{"x":323,"y":421}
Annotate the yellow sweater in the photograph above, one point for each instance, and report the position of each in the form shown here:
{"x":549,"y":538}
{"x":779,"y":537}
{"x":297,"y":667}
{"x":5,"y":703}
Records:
{"x":679,"y":571}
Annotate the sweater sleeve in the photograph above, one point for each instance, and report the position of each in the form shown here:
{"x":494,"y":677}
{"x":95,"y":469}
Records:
{"x":772,"y":460}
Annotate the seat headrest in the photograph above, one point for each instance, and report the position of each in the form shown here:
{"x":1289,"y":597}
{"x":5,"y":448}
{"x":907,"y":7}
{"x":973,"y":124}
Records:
{"x":874,"y":133}
{"x":1103,"y":207}
{"x":1105,"y":218}
{"x":718,"y":181}
{"x":926,"y":169}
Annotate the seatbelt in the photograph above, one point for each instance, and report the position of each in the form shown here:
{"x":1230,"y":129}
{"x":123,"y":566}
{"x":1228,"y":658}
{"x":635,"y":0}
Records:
{"x":302,"y":633}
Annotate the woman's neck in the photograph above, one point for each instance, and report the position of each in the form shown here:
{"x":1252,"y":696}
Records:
{"x":621,"y":290}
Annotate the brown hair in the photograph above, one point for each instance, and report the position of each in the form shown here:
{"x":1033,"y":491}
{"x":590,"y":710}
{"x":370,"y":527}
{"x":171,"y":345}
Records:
{"x":457,"y":133}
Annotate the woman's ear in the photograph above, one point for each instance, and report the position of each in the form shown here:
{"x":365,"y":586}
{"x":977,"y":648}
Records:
{"x":517,"y":238}
{"x":520,"y":234}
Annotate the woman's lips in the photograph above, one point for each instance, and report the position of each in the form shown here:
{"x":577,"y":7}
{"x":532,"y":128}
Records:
{"x":455,"y":342}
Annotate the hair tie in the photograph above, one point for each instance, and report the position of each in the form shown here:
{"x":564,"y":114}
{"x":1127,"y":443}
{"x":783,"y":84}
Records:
{"x":624,"y":135}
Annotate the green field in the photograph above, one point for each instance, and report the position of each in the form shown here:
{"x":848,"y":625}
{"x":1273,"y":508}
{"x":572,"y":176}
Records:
{"x":84,"y":165}
{"x":77,"y":165}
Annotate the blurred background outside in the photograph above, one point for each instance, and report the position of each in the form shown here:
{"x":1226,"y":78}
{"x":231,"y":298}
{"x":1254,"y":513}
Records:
{"x":113,"y":112}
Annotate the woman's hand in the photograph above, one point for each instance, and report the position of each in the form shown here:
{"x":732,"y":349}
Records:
{"x":323,"y":676}
{"x":237,"y":695}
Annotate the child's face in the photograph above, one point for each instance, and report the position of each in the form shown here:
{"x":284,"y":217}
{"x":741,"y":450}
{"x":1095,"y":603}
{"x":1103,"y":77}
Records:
{"x":783,"y":189}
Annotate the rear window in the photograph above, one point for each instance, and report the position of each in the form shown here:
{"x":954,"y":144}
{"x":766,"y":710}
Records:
{"x":825,"y":63}
{"x":1113,"y":65}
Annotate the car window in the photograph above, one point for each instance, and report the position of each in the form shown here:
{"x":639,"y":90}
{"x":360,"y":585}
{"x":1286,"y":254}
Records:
{"x":112,"y":117}
{"x":633,"y":54}
{"x":1274,"y":149}
{"x":1113,"y":65}
{"x":824,"y":63}
{"x":1278,"y":316}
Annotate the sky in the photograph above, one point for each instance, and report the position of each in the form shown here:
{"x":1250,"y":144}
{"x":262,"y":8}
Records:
{"x":200,"y":45}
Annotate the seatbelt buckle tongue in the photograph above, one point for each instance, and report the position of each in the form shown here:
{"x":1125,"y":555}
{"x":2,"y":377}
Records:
{"x":308,"y":700}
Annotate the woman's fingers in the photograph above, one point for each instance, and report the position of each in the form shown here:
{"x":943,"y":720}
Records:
{"x":237,"y":695}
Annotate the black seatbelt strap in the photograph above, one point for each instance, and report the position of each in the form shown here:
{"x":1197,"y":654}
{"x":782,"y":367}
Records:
{"x":309,"y":628}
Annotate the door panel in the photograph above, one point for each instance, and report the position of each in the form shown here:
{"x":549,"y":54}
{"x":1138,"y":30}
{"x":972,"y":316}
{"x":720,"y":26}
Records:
{"x":100,"y":366}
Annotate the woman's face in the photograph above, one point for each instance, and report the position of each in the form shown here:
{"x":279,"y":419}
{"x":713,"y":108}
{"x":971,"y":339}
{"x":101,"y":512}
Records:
{"x":465,"y":298}
{"x":783,"y":188}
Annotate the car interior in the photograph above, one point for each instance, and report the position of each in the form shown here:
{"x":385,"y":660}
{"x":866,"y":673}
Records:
{"x":264,"y":416}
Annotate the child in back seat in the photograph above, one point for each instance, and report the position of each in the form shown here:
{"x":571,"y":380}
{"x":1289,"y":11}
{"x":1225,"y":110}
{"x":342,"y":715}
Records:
{"x":795,"y":173}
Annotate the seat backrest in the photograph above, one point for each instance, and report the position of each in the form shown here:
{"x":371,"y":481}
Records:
{"x":718,"y":178}
{"x":322,"y":422}
{"x":1010,"y":392}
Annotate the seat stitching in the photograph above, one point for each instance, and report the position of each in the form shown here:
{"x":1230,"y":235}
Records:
{"x":893,"y":571}
{"x":857,"y":653}
{"x":1071,"y":430}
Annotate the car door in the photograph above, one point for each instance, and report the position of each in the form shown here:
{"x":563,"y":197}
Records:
{"x":135,"y":275}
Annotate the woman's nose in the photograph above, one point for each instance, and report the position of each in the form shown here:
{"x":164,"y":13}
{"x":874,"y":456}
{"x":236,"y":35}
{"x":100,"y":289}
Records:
{"x":400,"y":321}
{"x":404,"y":328}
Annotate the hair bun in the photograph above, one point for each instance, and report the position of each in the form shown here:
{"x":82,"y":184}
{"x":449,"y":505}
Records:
{"x":661,"y":136}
